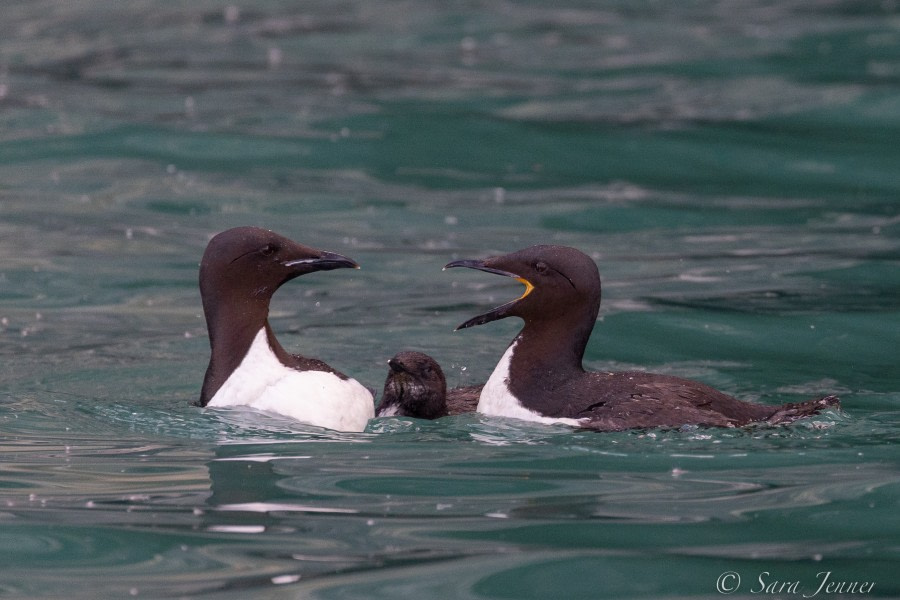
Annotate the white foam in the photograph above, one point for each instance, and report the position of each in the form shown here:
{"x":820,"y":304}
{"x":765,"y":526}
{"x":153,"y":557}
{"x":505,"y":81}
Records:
{"x":391,"y":411}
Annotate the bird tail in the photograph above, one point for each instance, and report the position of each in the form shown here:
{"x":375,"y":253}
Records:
{"x":788,"y":413}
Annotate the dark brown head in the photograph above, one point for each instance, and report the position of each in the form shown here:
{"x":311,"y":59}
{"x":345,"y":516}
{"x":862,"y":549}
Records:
{"x":242,"y":268}
{"x":415,"y":387}
{"x":560,"y":283}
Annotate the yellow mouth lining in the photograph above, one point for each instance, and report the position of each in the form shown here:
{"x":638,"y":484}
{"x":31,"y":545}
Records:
{"x":528,"y":286}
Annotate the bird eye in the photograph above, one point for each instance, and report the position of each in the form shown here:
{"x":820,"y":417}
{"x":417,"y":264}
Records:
{"x":268,"y":250}
{"x":541,"y":267}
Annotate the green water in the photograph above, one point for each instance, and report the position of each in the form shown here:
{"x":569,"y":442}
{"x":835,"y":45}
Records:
{"x":733,"y":168}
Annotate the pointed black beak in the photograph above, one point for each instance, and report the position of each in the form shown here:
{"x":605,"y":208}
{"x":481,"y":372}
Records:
{"x":501,"y":311}
{"x":326,"y":261}
{"x":478,"y":264}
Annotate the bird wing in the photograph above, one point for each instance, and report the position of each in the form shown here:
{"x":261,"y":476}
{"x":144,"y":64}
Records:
{"x":463,"y":399}
{"x":648,"y":410}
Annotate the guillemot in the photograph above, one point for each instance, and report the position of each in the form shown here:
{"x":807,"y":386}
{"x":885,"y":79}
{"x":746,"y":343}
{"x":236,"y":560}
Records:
{"x":416,"y":387}
{"x":240,"y":271}
{"x":540,"y":377}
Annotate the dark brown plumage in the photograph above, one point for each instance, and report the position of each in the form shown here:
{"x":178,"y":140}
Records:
{"x":416,"y":387}
{"x":545,"y":373}
{"x":239,"y":272}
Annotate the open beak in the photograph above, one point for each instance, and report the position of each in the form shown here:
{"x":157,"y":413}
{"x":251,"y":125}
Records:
{"x":501,"y":311}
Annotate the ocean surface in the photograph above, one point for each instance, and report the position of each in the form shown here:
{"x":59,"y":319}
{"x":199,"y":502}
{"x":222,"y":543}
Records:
{"x":732,"y":166}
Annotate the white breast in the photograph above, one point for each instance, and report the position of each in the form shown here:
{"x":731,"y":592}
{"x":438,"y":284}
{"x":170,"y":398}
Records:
{"x":314,"y":397}
{"x":497,"y":400}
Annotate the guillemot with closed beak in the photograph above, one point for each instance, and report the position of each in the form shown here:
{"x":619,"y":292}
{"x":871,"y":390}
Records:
{"x":416,"y":387}
{"x":540,"y":377}
{"x":240,"y":271}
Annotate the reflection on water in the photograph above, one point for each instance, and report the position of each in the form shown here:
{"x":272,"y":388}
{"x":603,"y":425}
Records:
{"x":254,"y":509}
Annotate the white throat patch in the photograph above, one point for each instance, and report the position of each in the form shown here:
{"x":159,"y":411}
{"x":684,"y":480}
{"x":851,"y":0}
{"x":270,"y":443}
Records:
{"x":314,"y":397}
{"x":497,"y":400}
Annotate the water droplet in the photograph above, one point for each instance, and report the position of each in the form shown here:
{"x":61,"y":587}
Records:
{"x":274,"y":57}
{"x":231,"y":14}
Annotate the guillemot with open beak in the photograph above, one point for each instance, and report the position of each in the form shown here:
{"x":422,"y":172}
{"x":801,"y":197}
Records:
{"x":240,"y":271}
{"x":540,"y":377}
